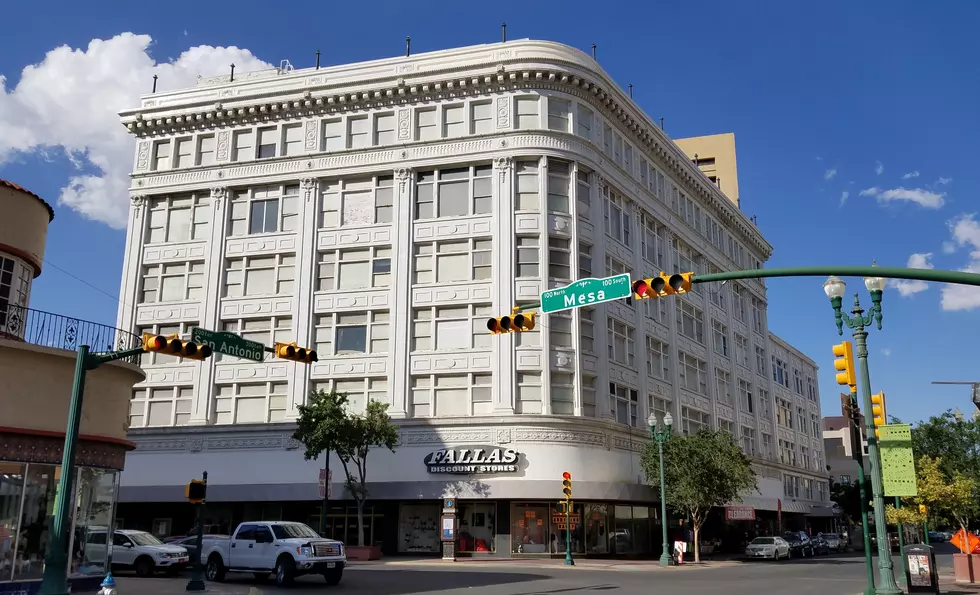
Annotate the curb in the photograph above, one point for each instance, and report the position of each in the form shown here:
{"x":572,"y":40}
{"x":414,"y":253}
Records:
{"x":528,"y":564}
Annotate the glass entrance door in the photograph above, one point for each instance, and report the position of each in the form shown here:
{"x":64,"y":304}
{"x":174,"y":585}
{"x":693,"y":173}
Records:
{"x":596,"y":529}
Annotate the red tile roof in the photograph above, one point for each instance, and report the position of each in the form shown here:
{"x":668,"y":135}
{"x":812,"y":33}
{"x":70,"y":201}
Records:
{"x":29,"y":193}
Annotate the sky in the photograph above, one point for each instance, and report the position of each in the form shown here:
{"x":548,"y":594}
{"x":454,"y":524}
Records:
{"x":856,"y":126}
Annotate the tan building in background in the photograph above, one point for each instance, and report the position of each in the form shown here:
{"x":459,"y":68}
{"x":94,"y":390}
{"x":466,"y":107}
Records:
{"x":715,"y":157}
{"x":37,"y":366}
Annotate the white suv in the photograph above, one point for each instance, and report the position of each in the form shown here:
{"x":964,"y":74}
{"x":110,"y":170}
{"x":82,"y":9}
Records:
{"x":136,"y":549}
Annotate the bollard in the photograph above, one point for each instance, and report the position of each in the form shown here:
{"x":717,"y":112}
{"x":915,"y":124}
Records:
{"x":108,"y":585}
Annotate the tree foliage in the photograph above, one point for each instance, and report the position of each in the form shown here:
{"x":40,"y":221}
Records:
{"x":947,"y":499}
{"x":949,"y":447}
{"x":326,"y":424}
{"x":701,"y":471}
{"x":848,"y":497}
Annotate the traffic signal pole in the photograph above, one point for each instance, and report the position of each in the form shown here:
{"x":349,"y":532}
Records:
{"x":857,"y":451}
{"x":196,"y":582}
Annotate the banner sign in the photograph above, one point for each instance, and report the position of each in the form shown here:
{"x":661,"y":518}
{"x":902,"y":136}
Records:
{"x":739,"y":513}
{"x":475,"y":460}
{"x":897,"y":460}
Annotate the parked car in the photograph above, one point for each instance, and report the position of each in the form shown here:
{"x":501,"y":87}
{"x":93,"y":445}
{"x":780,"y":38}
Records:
{"x":834,"y":541}
{"x":820,"y":546}
{"x":773,"y":548}
{"x":137,"y":550}
{"x":799,"y":544}
{"x":286,"y":549}
{"x":208,"y":529}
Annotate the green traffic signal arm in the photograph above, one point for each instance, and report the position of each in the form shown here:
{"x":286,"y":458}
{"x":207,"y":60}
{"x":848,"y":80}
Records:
{"x":955,"y":277}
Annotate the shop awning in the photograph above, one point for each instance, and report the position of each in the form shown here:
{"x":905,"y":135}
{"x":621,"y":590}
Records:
{"x":822,"y":510}
{"x":758,"y":503}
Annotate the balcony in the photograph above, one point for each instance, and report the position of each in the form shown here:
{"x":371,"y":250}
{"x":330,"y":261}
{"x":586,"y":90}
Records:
{"x":63,"y":332}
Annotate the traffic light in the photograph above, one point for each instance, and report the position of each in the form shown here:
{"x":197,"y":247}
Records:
{"x":878,"y":411}
{"x":173,"y":345}
{"x":680,"y":282}
{"x":643,"y":289}
{"x":923,"y":509}
{"x":297,"y":354}
{"x":196,"y":491}
{"x":515,"y":323}
{"x":844,"y":364}
{"x":566,"y":483}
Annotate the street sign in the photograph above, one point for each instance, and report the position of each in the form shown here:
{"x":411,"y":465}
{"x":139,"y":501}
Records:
{"x":325,"y":485}
{"x":586,"y":292}
{"x":897,"y":460}
{"x":229,"y":344}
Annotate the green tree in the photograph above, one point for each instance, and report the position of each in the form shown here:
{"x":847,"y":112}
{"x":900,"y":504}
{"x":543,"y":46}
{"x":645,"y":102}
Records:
{"x":949,"y":499}
{"x":954,"y":439}
{"x":701,"y":471}
{"x":326,"y":424}
{"x":848,"y":497}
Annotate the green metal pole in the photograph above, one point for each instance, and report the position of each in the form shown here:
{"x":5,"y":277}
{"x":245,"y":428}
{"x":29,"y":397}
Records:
{"x":901,"y":541}
{"x":568,"y":534}
{"x":885,"y":570}
{"x":55,"y":580}
{"x":665,"y":556}
{"x":196,"y":582}
{"x":925,"y":532}
{"x":858,"y":454}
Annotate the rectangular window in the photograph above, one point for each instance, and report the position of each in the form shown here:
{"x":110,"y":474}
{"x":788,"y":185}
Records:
{"x":560,"y":329}
{"x":767,"y":446}
{"x":690,"y":321}
{"x":614,"y":267}
{"x":255,"y":276}
{"x":657,"y":362}
{"x":719,"y":341}
{"x":758,"y":313}
{"x":745,"y":395}
{"x":354,"y":268}
{"x":760,"y":360}
{"x":264,"y":209}
{"x":426,"y":124}
{"x":738,"y":303}
{"x":358,"y":132}
{"x":559,"y":258}
{"x":784,"y":413}
{"x":628,"y":158}
{"x":693,"y":420}
{"x":584,"y":261}
{"x":292,"y":139}
{"x":588,"y":396}
{"x":161,"y":155}
{"x":172,"y":282}
{"x":797,"y":382}
{"x":250,"y":403}
{"x":456,"y":192}
{"x":748,"y":441}
{"x":205,"y":149}
{"x":618,"y":148}
{"x":333,"y":135}
{"x":352,"y":333}
{"x":527,"y":112}
{"x":528,"y":257}
{"x":622,"y":345}
{"x":482,"y":114}
{"x":559,"y":183}
{"x":242,"y":147}
{"x":624,"y":403}
{"x":268,"y":142}
{"x":185,"y":152}
{"x":161,"y":407}
{"x":616,"y":216}
{"x":453,"y":261}
{"x":529,"y":392}
{"x":723,"y":387}
{"x":741,"y":351}
{"x":359,"y":391}
{"x":811,"y":388}
{"x":384,"y":129}
{"x":558,"y":114}
{"x":765,"y":405}
{"x":261,"y":330}
{"x":584,"y":120}
{"x":454,"y":120}
{"x":607,"y":139}
{"x":780,"y":372}
{"x":652,"y":241}
{"x":692,"y":373}
{"x":448,"y":328}
{"x":562,"y":389}
{"x":586,"y":322}
{"x":528,"y":194}
{"x":179,"y":218}
{"x":356,"y":202}
{"x":584,"y":196}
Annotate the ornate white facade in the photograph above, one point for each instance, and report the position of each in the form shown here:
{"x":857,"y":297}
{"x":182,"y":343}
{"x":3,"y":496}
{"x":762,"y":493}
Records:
{"x":381,"y":212}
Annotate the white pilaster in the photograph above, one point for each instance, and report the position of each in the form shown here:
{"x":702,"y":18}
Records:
{"x":211,"y":316}
{"x":504,"y":359}
{"x":132,"y":261}
{"x":603,"y":409}
{"x":401,"y":296}
{"x":544,"y":259}
{"x":303,"y":308}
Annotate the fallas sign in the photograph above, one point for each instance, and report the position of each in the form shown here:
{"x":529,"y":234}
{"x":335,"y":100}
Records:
{"x":475,"y":460}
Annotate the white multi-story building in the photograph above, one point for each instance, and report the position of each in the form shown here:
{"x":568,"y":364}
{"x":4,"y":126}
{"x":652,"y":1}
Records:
{"x":380,"y":213}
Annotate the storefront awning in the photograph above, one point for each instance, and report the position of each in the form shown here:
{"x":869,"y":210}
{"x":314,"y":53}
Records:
{"x":821,"y":510}
{"x":757,"y":503}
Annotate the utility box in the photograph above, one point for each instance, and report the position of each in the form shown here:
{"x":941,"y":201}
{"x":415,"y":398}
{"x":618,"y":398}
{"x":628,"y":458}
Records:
{"x":920,"y":568}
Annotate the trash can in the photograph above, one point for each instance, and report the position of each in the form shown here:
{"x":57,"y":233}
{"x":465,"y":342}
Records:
{"x":920,"y":568}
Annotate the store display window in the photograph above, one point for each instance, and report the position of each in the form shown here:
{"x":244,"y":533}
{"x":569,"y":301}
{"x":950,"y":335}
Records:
{"x":530,"y":531}
{"x":477,"y":527}
{"x":559,"y":527}
{"x":418,"y":528}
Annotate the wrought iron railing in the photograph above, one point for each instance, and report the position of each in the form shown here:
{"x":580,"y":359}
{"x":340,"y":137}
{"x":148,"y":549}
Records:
{"x":63,"y":332}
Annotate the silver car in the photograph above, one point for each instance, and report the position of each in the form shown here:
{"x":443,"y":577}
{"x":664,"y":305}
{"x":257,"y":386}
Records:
{"x":771,"y":548}
{"x":833,"y":541}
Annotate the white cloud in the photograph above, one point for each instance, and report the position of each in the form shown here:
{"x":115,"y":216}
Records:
{"x":71,"y":101}
{"x":949,"y":247}
{"x":944,"y":181}
{"x":843,"y":197}
{"x":879,"y":168}
{"x":830,"y":174}
{"x":886,"y":352}
{"x":920,"y":196}
{"x":910,"y":175}
{"x":966,"y":233}
{"x":907,"y":287}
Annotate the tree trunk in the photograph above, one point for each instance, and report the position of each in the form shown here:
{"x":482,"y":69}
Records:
{"x":360,"y":521}
{"x":697,"y":550}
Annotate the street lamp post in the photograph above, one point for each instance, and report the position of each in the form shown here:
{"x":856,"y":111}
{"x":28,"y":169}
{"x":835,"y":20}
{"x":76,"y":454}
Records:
{"x":835,"y":288}
{"x":661,"y":433}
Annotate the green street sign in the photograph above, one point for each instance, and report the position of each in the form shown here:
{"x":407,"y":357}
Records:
{"x":586,"y":292}
{"x":229,"y":344}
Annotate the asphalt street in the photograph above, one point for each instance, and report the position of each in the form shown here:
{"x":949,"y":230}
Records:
{"x":826,"y":575}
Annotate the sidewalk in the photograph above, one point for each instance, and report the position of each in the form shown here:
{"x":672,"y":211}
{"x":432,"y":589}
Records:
{"x":586,"y":564}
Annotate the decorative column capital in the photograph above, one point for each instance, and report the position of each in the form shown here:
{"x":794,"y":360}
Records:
{"x":403,"y":175}
{"x":218,"y":196}
{"x":503,"y":164}
{"x":309,"y":187}
{"x":138,"y":200}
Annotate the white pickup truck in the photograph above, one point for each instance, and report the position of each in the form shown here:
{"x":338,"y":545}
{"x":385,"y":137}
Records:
{"x":286,"y":549}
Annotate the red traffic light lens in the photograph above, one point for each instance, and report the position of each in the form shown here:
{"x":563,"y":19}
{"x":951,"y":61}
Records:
{"x":640,"y":288}
{"x":159,"y":343}
{"x":566,"y":475}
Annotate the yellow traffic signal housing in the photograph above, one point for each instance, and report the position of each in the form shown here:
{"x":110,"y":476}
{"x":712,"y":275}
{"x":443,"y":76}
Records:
{"x":515,"y":323}
{"x":643,"y":289}
{"x":680,"y":282}
{"x":923,"y":509}
{"x":844,"y":364}
{"x":297,"y":354}
{"x":196,"y":491}
{"x":173,"y":345}
{"x":878,"y":416}
{"x":566,"y":483}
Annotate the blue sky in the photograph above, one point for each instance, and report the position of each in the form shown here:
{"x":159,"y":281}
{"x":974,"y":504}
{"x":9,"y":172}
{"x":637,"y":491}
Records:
{"x":872,"y":99}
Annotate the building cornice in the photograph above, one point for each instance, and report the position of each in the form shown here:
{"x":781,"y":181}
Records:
{"x":495,"y":68}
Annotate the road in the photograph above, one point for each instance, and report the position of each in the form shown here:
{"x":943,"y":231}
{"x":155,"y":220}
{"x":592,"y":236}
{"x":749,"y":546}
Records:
{"x":826,"y":575}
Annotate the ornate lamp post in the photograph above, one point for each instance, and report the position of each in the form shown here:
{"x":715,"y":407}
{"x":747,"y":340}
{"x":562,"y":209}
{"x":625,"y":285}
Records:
{"x":661,"y":433}
{"x":835,"y":288}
